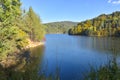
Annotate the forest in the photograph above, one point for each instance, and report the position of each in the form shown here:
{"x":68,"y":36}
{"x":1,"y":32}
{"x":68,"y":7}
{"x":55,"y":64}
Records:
{"x":61,"y":57}
{"x":17,"y":27}
{"x":59,"y":27}
{"x":103,"y":25}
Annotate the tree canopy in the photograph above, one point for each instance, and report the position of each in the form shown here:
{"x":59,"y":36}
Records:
{"x":59,"y":27}
{"x":103,"y":25}
{"x":17,"y":27}
{"x":33,"y":25}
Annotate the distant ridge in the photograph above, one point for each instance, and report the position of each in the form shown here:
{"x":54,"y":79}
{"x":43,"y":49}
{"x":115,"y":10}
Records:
{"x":59,"y":27}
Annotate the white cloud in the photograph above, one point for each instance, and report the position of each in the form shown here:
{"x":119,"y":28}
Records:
{"x":114,"y":1}
{"x":109,"y":1}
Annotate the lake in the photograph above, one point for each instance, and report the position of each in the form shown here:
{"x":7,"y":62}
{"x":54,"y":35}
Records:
{"x":65,"y":57}
{"x":70,"y":57}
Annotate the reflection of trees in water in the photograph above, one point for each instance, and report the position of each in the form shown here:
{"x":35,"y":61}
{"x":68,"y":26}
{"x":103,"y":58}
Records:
{"x":100,"y":43}
{"x":45,"y":71}
{"x":110,"y":71}
{"x":28,"y":69}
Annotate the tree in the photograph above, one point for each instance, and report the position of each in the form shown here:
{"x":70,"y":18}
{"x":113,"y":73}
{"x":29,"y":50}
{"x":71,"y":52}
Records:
{"x":103,"y":25}
{"x":9,"y":10}
{"x":12,"y":38}
{"x":33,"y":25}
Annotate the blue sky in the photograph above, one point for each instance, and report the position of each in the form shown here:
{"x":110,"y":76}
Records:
{"x":71,"y":10}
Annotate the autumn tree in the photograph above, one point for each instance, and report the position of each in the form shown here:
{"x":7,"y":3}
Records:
{"x":103,"y":25}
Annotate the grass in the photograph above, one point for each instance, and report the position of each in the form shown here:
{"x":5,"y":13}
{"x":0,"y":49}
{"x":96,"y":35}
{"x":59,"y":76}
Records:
{"x":110,"y":71}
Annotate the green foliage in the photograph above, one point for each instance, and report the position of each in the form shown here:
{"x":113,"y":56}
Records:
{"x":9,"y":10}
{"x":33,"y":25}
{"x":11,"y":39}
{"x":10,"y":35}
{"x":110,"y":71}
{"x":103,"y":25}
{"x":15,"y":28}
{"x":59,"y":27}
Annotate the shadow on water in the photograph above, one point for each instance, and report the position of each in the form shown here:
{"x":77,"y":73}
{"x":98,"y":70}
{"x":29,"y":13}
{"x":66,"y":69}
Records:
{"x":27,"y":69}
{"x":68,"y":59}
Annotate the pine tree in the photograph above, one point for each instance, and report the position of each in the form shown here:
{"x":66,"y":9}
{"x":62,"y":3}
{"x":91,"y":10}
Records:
{"x":12,"y":38}
{"x":33,"y":25}
{"x":9,"y":10}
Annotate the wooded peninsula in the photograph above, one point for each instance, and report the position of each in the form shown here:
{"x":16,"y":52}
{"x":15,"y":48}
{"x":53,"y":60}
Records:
{"x":103,"y":25}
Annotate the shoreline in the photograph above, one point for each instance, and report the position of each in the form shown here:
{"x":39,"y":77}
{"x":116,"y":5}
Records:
{"x":13,"y":59}
{"x":32,"y":44}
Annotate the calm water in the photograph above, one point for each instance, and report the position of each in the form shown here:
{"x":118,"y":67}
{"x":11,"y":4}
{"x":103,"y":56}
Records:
{"x":64,"y":57}
{"x":70,"y":57}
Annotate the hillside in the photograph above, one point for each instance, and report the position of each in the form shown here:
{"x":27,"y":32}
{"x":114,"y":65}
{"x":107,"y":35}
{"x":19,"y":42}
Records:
{"x":103,"y":25}
{"x":59,"y":27}
{"x":18,"y":31}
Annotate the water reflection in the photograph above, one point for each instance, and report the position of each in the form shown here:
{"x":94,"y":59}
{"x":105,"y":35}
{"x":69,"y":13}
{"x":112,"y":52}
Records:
{"x":64,"y":58}
{"x":73,"y":55}
{"x":101,"y":44}
{"x":27,"y":69}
